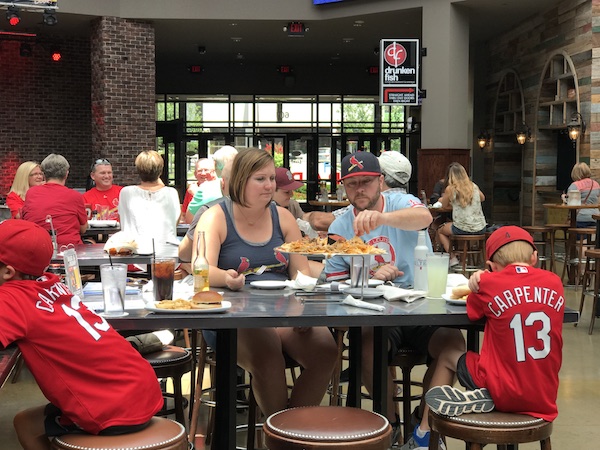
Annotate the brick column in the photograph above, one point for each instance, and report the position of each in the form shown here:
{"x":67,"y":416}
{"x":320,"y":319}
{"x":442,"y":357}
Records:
{"x":123,"y":89}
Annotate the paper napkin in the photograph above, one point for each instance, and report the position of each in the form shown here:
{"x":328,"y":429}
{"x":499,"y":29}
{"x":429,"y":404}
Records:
{"x":303,"y":282}
{"x":394,"y":294}
{"x":351,"y":301}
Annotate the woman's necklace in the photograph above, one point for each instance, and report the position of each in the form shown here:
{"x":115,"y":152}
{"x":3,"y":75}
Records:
{"x":248,"y":221}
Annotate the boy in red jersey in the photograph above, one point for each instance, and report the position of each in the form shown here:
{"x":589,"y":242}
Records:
{"x":517,"y":368}
{"x":87,"y":371}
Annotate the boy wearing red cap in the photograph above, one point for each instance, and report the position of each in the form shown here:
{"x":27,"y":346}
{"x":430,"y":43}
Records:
{"x":517,"y":369}
{"x":84,"y":368}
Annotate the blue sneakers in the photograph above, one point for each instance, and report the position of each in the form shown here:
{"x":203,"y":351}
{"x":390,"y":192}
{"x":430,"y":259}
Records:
{"x":450,"y":401}
{"x":420,"y":443}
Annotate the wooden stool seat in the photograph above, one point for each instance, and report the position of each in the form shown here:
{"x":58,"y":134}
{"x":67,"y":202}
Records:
{"x":172,"y":362}
{"x":327,"y":427}
{"x":163,"y":434}
{"x":494,"y":427}
{"x":470,"y":251}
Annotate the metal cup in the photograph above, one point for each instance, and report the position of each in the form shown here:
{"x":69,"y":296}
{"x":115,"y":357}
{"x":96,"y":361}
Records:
{"x":358,"y":276}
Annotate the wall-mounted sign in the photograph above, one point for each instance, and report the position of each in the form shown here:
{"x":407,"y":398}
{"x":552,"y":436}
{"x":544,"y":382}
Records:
{"x":399,"y":74}
{"x":284,"y":69}
{"x":195,"y":69}
{"x":296,"y":29}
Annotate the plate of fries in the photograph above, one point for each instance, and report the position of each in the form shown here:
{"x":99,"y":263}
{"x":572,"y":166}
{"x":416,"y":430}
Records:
{"x":319,"y":246}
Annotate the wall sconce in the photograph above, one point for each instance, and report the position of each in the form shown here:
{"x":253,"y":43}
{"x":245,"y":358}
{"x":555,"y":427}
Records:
{"x":524,"y":134}
{"x":483,"y":139}
{"x":576,"y":127}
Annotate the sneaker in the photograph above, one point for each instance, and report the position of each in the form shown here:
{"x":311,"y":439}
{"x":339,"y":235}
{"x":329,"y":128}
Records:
{"x":450,"y":401}
{"x":396,"y":433}
{"x":454,"y":261}
{"x":420,"y":443}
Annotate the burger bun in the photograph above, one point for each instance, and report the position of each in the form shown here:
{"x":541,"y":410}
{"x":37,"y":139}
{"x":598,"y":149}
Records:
{"x":459,"y":292}
{"x":206,"y":300}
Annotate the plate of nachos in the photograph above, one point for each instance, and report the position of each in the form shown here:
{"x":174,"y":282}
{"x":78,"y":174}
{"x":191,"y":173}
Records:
{"x":319,"y":246}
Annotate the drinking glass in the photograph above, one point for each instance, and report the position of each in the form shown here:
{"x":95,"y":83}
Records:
{"x":113,"y":277}
{"x":437,"y":274}
{"x":163,"y":274}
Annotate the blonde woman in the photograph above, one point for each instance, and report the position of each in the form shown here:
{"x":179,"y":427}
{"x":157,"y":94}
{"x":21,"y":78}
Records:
{"x":590,"y":191}
{"x":241,"y":233}
{"x":464,"y":197}
{"x":150,"y":209}
{"x":28,"y":174}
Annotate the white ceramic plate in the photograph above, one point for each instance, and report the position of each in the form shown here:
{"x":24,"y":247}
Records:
{"x":372,"y":282}
{"x":268,"y":284}
{"x":367,"y":292}
{"x":454,"y":301}
{"x":225,"y":305}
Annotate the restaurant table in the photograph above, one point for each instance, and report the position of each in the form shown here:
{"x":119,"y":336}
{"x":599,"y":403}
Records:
{"x":89,"y":255}
{"x":255,"y":308}
{"x":329,"y":205}
{"x":573,"y":209}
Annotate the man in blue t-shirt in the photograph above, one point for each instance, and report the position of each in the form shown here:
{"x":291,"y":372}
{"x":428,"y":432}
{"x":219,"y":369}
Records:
{"x":388,"y":220}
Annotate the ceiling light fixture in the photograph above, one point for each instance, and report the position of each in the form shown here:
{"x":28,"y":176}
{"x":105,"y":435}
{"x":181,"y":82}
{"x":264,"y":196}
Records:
{"x":576,"y":127}
{"x":12,"y":15}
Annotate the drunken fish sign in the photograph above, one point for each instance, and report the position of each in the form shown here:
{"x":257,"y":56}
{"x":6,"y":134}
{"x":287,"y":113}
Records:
{"x":399,"y":72}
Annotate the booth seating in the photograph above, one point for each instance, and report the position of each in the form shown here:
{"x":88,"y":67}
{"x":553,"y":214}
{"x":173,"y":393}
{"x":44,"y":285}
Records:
{"x":502,"y":429}
{"x":172,"y":362}
{"x":327,"y":427}
{"x":161,"y":434}
{"x":470,"y":251}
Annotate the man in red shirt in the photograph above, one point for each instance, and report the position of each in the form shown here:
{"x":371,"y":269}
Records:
{"x":65,"y":206}
{"x":104,"y":197}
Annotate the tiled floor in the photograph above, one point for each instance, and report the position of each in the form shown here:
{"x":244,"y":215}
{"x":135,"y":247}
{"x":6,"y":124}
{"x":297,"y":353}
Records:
{"x":579,"y":393}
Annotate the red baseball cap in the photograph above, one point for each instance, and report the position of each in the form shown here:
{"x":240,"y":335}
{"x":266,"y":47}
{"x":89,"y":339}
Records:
{"x":285,"y":180}
{"x":25,"y":246}
{"x":506,"y":235}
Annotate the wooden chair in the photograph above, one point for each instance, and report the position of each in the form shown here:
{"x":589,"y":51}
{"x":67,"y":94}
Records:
{"x":592,"y":270}
{"x":558,"y":235}
{"x":161,"y":434}
{"x":327,"y":428}
{"x":542,"y":240}
{"x":583,"y":239}
{"x":502,"y":429}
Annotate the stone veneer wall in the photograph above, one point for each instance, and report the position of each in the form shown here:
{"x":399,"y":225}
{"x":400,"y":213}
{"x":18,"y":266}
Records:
{"x":123,"y":92}
{"x":526,"y":49}
{"x":45,"y":107}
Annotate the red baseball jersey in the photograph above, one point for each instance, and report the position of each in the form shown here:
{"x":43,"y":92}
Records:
{"x":81,"y":364}
{"x":521,"y":353}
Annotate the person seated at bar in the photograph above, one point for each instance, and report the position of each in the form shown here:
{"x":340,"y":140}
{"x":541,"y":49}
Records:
{"x":241,"y":233}
{"x":589,"y":190}
{"x":464,"y":197}
{"x":104,"y":195}
{"x":54,"y":199}
{"x":389,"y":220}
{"x":28,"y":174}
{"x":151,"y":209}
{"x":91,"y":376}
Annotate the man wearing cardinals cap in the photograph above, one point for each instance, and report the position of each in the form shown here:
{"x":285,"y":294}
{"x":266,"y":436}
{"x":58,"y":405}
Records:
{"x":389,"y":221}
{"x":517,"y":368}
{"x":83,"y":367}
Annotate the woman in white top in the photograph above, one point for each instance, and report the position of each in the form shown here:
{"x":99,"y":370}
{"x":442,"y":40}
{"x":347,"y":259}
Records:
{"x":465,"y":199}
{"x":150,"y":210}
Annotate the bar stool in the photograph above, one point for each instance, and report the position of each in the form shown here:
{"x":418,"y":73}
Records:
{"x":499,"y":428}
{"x":554,"y":239}
{"x":172,"y":362}
{"x":584,"y":239}
{"x":160,"y":434}
{"x":327,"y":427}
{"x":406,"y":359}
{"x":541,"y":239}
{"x":592,"y":258}
{"x":470,"y":250}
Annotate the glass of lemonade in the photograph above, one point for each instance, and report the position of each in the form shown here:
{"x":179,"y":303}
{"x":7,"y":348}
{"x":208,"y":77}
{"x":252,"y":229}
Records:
{"x":437,"y":274}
